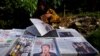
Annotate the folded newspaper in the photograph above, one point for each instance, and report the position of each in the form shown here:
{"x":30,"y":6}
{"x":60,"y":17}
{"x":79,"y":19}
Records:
{"x":41,"y":29}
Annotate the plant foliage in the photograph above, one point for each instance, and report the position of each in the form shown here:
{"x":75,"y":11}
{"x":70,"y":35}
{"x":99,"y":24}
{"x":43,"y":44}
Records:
{"x":94,"y":38}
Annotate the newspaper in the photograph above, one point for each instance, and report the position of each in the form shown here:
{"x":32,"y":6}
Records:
{"x":22,"y":47}
{"x":42,"y":27}
{"x":30,"y":46}
{"x":6,"y":45}
{"x":59,"y":42}
{"x":32,"y":31}
{"x":65,"y":47}
{"x":39,"y":42}
{"x":75,"y":47}
{"x":17,"y":32}
{"x":63,"y":33}
{"x":11,"y":33}
{"x":68,"y":33}
{"x":5,"y":33}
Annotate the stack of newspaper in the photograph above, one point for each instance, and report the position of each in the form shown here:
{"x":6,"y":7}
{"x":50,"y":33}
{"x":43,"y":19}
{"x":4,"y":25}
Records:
{"x":73,"y":46}
{"x":11,"y":33}
{"x":8,"y":39}
{"x":6,"y":45}
{"x":63,"y":42}
{"x":41,"y":39}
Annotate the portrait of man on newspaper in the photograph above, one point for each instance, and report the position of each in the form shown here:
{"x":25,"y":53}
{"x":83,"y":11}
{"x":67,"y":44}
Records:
{"x":45,"y":51}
